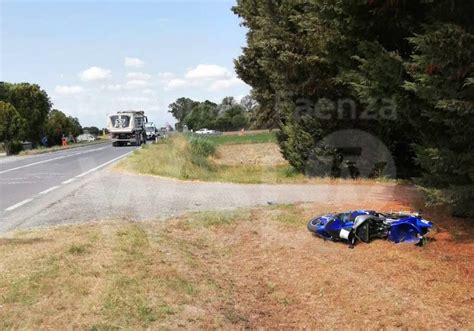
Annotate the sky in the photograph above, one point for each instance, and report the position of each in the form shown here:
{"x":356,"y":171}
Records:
{"x":98,"y":57}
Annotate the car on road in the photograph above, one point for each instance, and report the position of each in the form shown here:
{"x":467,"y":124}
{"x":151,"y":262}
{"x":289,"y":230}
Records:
{"x":205,"y":131}
{"x":85,"y":137}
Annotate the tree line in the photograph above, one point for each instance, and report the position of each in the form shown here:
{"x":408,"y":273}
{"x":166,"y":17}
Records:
{"x":26,"y":114}
{"x":407,"y":64}
{"x":229,"y":115}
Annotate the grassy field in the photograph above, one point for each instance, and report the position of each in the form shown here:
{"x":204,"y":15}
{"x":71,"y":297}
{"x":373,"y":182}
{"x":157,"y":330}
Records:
{"x":256,"y":268}
{"x":175,"y":157}
{"x":247,"y":138}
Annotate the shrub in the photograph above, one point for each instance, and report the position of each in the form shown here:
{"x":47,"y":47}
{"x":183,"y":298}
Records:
{"x":202,"y":147}
{"x":15,"y":147}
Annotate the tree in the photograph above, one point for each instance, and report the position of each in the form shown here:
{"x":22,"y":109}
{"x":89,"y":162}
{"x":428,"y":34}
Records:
{"x":75,"y":127}
{"x":228,"y":115}
{"x":202,"y":115}
{"x":180,"y":109}
{"x":417,"y":55}
{"x":442,"y":78}
{"x":11,"y":125}
{"x":252,"y":108}
{"x":234,"y":118}
{"x":32,"y":103}
{"x":92,"y":130}
{"x":58,"y":124}
{"x":249,"y":103}
{"x":228,"y":102}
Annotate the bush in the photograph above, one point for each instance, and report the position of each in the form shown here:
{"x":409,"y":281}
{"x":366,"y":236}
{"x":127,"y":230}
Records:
{"x":202,"y":147}
{"x":15,"y":147}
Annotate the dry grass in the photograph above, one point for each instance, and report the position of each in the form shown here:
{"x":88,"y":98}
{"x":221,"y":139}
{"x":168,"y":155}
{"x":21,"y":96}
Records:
{"x":237,"y":163}
{"x":255,"y":268}
{"x":173,"y":158}
{"x":258,"y":154}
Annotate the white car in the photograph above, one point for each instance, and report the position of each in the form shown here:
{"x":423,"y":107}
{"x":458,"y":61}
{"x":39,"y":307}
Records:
{"x":205,"y":131}
{"x":85,"y":137}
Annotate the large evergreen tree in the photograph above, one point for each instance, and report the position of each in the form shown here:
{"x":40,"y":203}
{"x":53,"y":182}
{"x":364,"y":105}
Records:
{"x":442,"y":77}
{"x":399,"y":70}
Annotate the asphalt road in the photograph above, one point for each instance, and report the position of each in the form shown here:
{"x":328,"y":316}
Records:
{"x":23,"y":179}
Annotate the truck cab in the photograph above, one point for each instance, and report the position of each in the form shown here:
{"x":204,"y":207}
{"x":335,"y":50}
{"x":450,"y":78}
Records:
{"x":151,"y":131}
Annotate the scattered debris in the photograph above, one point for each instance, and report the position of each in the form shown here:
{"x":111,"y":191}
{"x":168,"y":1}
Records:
{"x":366,"y":225}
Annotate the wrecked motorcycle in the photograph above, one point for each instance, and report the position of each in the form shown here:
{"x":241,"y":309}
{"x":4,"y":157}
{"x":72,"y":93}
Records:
{"x":366,"y":225}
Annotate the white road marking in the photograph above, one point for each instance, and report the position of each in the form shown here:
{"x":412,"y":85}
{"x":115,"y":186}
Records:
{"x":96,"y":168}
{"x":49,"y":190}
{"x":103,"y":165}
{"x":21,"y":203}
{"x":49,"y":160}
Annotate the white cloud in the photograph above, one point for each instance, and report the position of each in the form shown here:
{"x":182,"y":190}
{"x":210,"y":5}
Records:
{"x":129,"y":85}
{"x":148,"y":91}
{"x":134,"y":99}
{"x":176,"y":83}
{"x":134,"y":62}
{"x":136,"y":83}
{"x":94,"y":73}
{"x":223,"y":84}
{"x":208,"y":77}
{"x":166,"y":75}
{"x":207,"y":71}
{"x":138,"y":75}
{"x":113,"y":87}
{"x":68,"y":90}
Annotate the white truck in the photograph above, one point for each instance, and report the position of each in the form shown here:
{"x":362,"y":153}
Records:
{"x":151,"y":131}
{"x":127,"y":127}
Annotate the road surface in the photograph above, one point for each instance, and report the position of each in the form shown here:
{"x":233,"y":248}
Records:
{"x":23,"y":179}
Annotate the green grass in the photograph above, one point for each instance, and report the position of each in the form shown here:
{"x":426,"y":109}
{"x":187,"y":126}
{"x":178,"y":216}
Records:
{"x":174,"y":157}
{"x":288,"y":214}
{"x":247,"y":138}
{"x":208,"y":219}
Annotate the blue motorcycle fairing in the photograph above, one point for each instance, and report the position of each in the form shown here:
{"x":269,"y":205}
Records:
{"x":408,"y":229}
{"x":330,"y":225}
{"x":396,"y":227}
